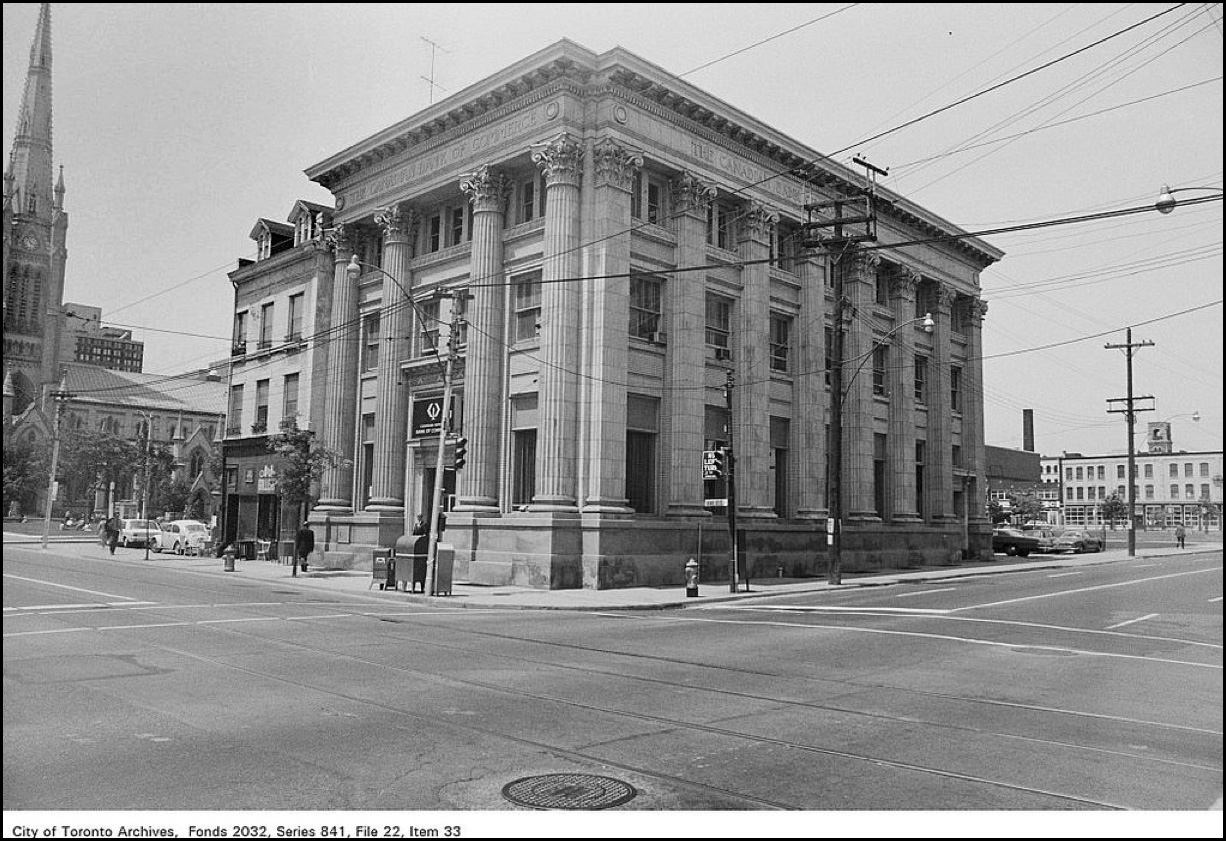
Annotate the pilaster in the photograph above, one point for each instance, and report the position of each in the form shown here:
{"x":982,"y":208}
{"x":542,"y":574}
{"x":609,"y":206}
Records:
{"x":902,"y":398}
{"x":972,"y":415}
{"x":859,"y":289}
{"x":810,"y":394}
{"x":940,"y":413}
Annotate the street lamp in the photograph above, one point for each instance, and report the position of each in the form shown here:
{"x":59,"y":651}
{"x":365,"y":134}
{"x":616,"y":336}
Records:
{"x":1166,"y":199}
{"x":838,"y":393}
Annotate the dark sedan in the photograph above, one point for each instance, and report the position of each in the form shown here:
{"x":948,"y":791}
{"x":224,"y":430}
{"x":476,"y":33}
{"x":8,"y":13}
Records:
{"x":1014,"y":542}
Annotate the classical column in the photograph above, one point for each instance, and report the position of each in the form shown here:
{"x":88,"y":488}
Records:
{"x":859,"y":290}
{"x":811,"y":400}
{"x":940,"y":412}
{"x":751,"y":357}
{"x":972,"y":413}
{"x":341,"y":385}
{"x":609,"y":294}
{"x":685,"y":317}
{"x":902,"y":398}
{"x":477,"y":483}
{"x":392,"y":411}
{"x":557,"y":444}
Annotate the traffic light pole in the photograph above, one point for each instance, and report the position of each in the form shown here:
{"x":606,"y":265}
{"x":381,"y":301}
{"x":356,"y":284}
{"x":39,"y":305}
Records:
{"x":453,"y":334}
{"x":730,"y":468}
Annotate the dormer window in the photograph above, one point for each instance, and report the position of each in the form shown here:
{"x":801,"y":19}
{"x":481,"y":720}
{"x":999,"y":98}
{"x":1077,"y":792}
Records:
{"x":264,"y":249}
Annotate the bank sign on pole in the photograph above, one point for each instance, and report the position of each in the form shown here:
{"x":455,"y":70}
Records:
{"x":427,"y":417}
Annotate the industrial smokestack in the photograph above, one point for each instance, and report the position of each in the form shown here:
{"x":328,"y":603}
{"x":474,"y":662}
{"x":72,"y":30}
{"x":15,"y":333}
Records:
{"x":1028,"y":430}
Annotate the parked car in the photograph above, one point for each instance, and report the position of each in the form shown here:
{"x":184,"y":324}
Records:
{"x":1014,"y":542}
{"x":137,"y":532}
{"x":1078,"y":542}
{"x":1046,"y":537}
{"x":181,"y":536}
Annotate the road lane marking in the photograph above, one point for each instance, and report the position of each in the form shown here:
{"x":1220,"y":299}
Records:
{"x":1218,"y":599}
{"x":939,"y":614}
{"x":1130,"y":621}
{"x":93,"y":605}
{"x":831,"y":608}
{"x":926,"y":592}
{"x":1089,"y":589}
{"x":66,"y":587}
{"x":950,"y":638}
{"x":1065,"y":574}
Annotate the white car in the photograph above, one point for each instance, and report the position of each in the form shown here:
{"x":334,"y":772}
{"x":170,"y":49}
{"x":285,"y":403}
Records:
{"x":138,"y":533}
{"x":182,"y":536}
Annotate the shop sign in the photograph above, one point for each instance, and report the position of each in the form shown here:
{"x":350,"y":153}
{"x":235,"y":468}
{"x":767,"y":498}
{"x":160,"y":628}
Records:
{"x":427,"y":417}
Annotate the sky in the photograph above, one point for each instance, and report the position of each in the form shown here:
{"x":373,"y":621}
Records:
{"x":180,"y":125}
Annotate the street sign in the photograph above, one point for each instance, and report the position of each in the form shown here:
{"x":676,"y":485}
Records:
{"x":715,"y":503}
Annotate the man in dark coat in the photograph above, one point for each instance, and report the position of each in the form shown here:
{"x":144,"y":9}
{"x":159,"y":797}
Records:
{"x":305,"y":543}
{"x":112,"y":533}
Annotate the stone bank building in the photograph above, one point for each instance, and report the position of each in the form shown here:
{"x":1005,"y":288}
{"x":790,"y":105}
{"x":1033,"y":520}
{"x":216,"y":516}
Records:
{"x":623,"y":242}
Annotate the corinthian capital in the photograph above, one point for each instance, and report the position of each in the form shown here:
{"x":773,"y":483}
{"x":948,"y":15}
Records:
{"x":397,"y":221}
{"x":339,"y":239}
{"x":487,"y":191}
{"x":905,"y":282}
{"x":863,"y":263}
{"x":615,"y":164}
{"x":757,"y":222}
{"x":947,"y":296}
{"x":560,"y":160}
{"x":979,"y":308}
{"x":691,"y":195}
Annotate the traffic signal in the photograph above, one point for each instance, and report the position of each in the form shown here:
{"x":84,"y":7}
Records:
{"x":461,"y":452}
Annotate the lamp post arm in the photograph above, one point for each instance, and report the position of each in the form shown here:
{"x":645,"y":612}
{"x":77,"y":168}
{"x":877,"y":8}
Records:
{"x":354,"y":261}
{"x":1166,"y":199}
{"x":926,"y":318}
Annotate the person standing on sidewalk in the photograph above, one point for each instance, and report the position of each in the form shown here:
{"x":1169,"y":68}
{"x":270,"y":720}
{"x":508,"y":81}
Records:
{"x":1180,"y":534}
{"x":304,"y":543}
{"x":112,"y":533}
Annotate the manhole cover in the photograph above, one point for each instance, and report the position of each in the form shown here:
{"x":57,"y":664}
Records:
{"x":568,"y":791}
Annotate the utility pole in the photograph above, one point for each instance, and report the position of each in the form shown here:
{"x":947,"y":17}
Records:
{"x":1130,"y":415}
{"x":730,"y":469}
{"x":453,"y":340}
{"x":144,"y":493}
{"x":61,"y":398}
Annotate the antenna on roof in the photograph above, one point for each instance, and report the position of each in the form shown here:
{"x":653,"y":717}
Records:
{"x":434,"y":48}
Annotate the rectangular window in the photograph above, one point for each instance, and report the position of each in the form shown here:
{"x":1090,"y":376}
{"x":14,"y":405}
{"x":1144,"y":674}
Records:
{"x":719,"y":321}
{"x":1079,"y":474}
{"x":640,"y":470}
{"x":636,"y":196}
{"x":370,"y":342}
{"x":266,"y":314}
{"x":1204,"y":468}
{"x":921,"y":379}
{"x":720,"y":225}
{"x":295,"y":316}
{"x":881,"y":358}
{"x":1068,"y":474}
{"x":1189,"y":492}
{"x":455,"y":225}
{"x":1149,"y":491}
{"x":829,"y":355}
{"x":434,"y":233}
{"x":527,"y":201}
{"x":883,"y":285}
{"x":880,"y":444}
{"x":527,"y":306}
{"x":780,"y":342}
{"x":1187,"y":469}
{"x":368,"y":460}
{"x":240,"y":333}
{"x":645,"y":297}
{"x":261,"y":407}
{"x":1174,"y":492}
{"x":1149,"y":471}
{"x":1204,"y":491}
{"x":524,"y":479}
{"x":956,"y":458}
{"x":647,"y":198}
{"x":955,"y":388}
{"x":289,"y":410}
{"x":920,"y":452}
{"x":428,"y":332}
{"x":234,"y":417}
{"x":1081,"y":493}
{"x":1119,"y":472}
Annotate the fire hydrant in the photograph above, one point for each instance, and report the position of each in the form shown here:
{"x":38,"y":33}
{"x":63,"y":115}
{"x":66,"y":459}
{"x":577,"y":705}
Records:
{"x":227,"y":555}
{"x":691,"y":578}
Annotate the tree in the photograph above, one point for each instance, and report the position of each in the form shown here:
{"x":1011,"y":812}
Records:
{"x":1025,"y":508}
{"x":304,"y":460}
{"x":174,"y":494}
{"x":98,"y":457}
{"x":1113,"y":508}
{"x":997,"y":512}
{"x":25,"y":471}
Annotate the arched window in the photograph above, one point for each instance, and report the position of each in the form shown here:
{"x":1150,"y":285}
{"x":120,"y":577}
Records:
{"x":197,"y":463}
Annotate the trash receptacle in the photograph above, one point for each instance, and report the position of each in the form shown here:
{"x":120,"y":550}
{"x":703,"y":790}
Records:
{"x":411,"y":562}
{"x":383,"y":568}
{"x":443,"y":568}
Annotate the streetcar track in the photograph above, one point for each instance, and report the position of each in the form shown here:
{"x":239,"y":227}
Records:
{"x":672,"y":724}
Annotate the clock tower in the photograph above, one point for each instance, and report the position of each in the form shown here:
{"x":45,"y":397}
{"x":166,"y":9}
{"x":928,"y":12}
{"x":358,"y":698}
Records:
{"x":35,"y":229}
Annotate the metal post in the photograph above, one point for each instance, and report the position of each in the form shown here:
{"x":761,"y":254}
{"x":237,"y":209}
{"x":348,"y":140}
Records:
{"x":730,"y":469}
{"x":61,"y":400}
{"x":144,"y":496}
{"x":444,"y":427}
{"x":834,"y":570}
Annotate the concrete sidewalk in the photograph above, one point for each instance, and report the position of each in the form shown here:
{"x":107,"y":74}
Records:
{"x":352,"y":583}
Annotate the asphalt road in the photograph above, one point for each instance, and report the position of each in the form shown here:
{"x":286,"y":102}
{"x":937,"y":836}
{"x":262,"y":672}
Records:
{"x":131,"y":687}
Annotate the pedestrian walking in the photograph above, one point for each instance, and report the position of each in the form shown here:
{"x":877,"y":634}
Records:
{"x":112,"y":533}
{"x":1180,"y":534}
{"x":304,"y":543}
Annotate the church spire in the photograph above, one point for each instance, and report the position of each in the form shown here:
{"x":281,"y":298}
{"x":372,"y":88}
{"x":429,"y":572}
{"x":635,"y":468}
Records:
{"x":30,"y":161}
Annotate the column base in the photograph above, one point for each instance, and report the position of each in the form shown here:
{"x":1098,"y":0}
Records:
{"x":385,"y":505}
{"x":607,"y":506}
{"x":812,"y":514}
{"x":687,"y":509}
{"x":334,"y":506}
{"x":477,"y":504}
{"x":863,"y":517}
{"x":545,"y":504}
{"x":907,"y":517}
